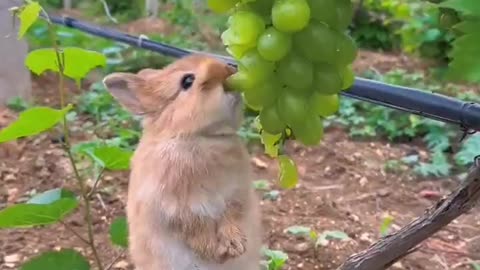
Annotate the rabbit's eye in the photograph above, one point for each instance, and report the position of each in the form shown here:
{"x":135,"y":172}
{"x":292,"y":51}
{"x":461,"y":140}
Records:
{"x":187,"y":81}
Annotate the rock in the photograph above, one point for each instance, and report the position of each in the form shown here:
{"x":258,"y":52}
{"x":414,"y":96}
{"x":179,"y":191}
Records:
{"x":12,"y":258}
{"x":302,"y":247}
{"x":363,"y":181}
{"x":384,"y":192}
{"x":40,"y":162}
{"x":121,"y":265}
{"x":259,"y":163}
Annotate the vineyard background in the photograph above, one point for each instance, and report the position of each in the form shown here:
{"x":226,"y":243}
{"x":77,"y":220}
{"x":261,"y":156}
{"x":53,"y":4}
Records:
{"x":375,"y":170}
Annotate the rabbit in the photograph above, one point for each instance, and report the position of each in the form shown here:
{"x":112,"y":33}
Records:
{"x":191,"y":203}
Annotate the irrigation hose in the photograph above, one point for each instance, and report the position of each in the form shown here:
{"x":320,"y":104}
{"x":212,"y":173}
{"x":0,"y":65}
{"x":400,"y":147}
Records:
{"x":435,"y":106}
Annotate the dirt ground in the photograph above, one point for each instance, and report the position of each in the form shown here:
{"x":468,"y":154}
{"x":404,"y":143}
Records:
{"x":344,"y":186}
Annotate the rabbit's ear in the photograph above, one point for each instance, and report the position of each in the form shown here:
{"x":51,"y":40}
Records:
{"x":125,"y":87}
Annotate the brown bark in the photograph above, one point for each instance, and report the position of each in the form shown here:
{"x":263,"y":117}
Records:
{"x":395,"y":246}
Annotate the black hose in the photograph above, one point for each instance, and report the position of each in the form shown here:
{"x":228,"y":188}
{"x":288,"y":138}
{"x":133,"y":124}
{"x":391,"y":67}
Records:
{"x":439,"y":107}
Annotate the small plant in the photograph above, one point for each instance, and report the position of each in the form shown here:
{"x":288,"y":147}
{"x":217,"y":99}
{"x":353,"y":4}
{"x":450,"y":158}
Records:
{"x":387,"y":222}
{"x":316,"y":239}
{"x":18,"y":104}
{"x":276,"y":259}
{"x":53,"y":206}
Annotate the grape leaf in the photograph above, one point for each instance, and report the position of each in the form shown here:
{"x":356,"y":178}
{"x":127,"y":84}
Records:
{"x":51,"y":196}
{"x":32,"y":122}
{"x":29,"y":214}
{"x":464,"y":66}
{"x":27,"y":16}
{"x":112,"y":157}
{"x":271,"y":143}
{"x":67,"y":259}
{"x":288,"y":172}
{"x":119,"y":232}
{"x":467,"y":26}
{"x":77,"y":62}
{"x":469,"y":7}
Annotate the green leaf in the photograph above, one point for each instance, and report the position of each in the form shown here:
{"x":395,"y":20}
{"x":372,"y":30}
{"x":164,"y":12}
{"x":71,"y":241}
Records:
{"x":119,"y":232}
{"x":261,"y":184}
{"x":28,"y":16}
{"x":32,"y":122}
{"x":77,"y":62}
{"x":475,"y":266}
{"x":67,"y":259}
{"x":386,"y":224}
{"x":113,"y":158}
{"x":271,"y":143}
{"x":51,"y":196}
{"x":467,"y":26}
{"x":331,"y":235}
{"x":276,"y":258}
{"x":288,"y":172}
{"x":271,"y":195}
{"x":463,"y":66}
{"x":468,"y":7}
{"x":438,"y":167}
{"x":299,"y":231}
{"x":29,"y":215}
{"x":469,"y":150}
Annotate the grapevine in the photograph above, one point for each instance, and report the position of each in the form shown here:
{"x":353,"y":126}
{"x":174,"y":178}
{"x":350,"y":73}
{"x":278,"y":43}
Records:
{"x":294,"y":58}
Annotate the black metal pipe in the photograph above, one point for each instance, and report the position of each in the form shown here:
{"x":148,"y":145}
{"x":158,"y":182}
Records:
{"x":434,"y":106}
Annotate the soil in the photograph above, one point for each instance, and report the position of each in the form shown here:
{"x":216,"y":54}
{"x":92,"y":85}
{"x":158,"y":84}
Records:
{"x":344,"y":186}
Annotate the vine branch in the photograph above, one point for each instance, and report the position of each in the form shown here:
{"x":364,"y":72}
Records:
{"x":395,"y":246}
{"x":67,"y":148}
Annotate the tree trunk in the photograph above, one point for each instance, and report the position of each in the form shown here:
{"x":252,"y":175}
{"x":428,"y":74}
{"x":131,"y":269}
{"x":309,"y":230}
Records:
{"x":392,"y":248}
{"x":151,"y":8}
{"x":67,"y":4}
{"x":14,"y":76}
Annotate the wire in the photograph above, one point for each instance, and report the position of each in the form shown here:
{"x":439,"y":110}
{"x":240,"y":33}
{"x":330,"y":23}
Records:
{"x":439,"y":107}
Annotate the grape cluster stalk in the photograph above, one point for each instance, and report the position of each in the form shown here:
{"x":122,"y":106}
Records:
{"x":294,"y":58}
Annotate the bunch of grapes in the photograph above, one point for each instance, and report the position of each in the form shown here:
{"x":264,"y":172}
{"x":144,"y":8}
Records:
{"x":294,"y":58}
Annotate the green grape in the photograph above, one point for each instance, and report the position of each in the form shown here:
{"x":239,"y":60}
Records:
{"x":249,"y":103}
{"x":242,"y":80}
{"x":295,"y":71}
{"x":221,"y":6}
{"x":317,"y":42}
{"x":244,"y":28}
{"x":262,"y":7}
{"x":290,"y":15}
{"x":263,"y":95}
{"x":344,"y":14}
{"x":292,"y":108}
{"x":337,"y":14}
{"x":346,"y":50}
{"x":300,"y":91}
{"x":324,"y":105}
{"x":256,"y":65}
{"x":238,"y":51}
{"x":322,"y":11}
{"x":309,"y":131}
{"x":273,"y":45}
{"x":327,"y":80}
{"x":270,"y":120}
{"x":348,"y":77}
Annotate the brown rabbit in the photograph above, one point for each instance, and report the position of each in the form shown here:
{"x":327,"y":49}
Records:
{"x":191,"y":204}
